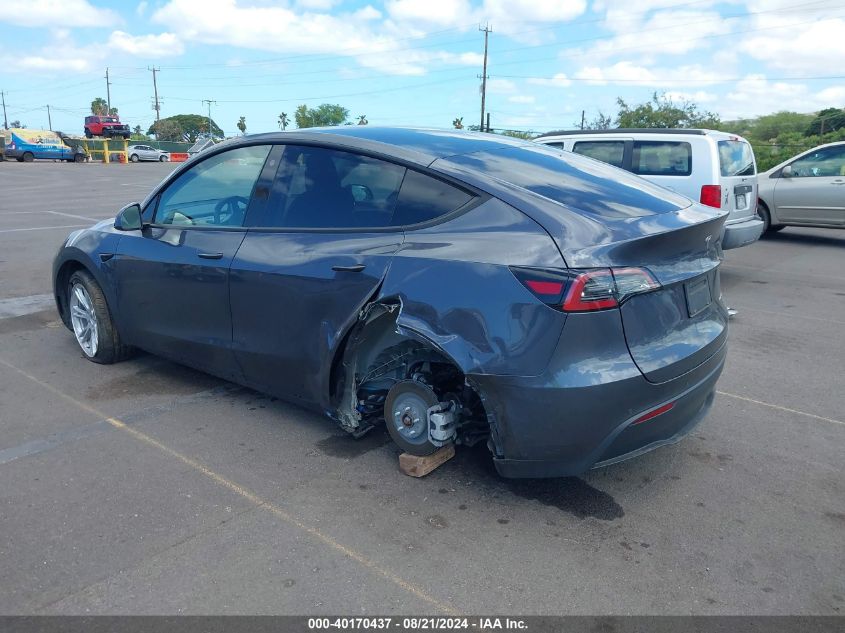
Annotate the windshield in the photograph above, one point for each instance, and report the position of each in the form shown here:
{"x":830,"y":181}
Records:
{"x":736,"y":158}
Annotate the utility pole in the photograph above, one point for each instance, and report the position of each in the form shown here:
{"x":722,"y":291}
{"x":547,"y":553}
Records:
{"x":487,"y":30}
{"x":49,"y":120}
{"x":488,"y":122}
{"x":156,"y":107}
{"x":209,"y":102}
{"x":5,"y":120}
{"x":583,"y":112}
{"x":108,"y":92}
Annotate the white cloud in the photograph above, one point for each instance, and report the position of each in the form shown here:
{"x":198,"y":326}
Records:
{"x":500,"y":86}
{"x":560,"y":80}
{"x":43,"y":63}
{"x":285,"y":30}
{"x":629,"y":73}
{"x":755,"y":95}
{"x":817,"y":47}
{"x":161,"y":45}
{"x":522,"y":99}
{"x":141,"y":9}
{"x":66,"y":13}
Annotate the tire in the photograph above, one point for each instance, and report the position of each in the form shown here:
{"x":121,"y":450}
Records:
{"x":88,"y":134}
{"x":91,"y":321}
{"x":79,"y":158}
{"x":28,"y":157}
{"x":162,"y":159}
{"x":134,"y":158}
{"x":764,"y":214}
{"x":406,"y":416}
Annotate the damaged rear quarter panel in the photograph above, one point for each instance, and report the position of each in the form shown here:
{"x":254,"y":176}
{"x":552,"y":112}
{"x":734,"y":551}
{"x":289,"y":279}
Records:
{"x":457,"y":291}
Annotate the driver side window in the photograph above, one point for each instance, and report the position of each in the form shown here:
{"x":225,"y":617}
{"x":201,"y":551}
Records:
{"x":214,"y":192}
{"x":826,"y":162}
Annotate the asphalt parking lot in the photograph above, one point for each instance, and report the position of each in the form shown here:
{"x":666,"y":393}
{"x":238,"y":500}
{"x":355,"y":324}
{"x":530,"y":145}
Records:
{"x":145,"y":487}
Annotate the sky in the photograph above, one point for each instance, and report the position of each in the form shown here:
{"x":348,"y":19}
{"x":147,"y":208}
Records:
{"x":416,"y":62}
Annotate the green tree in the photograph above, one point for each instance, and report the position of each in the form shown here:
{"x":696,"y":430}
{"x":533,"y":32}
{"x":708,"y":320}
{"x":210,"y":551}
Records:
{"x":100,"y":107}
{"x":662,"y":112}
{"x":137,"y":129}
{"x":242,"y":125}
{"x":771,"y":126}
{"x":600,"y":122}
{"x":326,"y":114}
{"x":283,"y":121}
{"x":17,"y":124}
{"x":518,"y":134}
{"x":362,"y":120}
{"x":183,"y":127}
{"x":458,"y":123}
{"x":828,"y":120}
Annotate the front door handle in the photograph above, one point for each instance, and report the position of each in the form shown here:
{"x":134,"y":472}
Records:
{"x":354,"y":268}
{"x":210,"y":255}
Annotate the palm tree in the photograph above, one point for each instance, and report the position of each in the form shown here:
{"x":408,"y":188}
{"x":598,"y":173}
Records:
{"x":362,"y":120}
{"x":242,"y":125}
{"x":458,"y":123}
{"x":283,"y":121}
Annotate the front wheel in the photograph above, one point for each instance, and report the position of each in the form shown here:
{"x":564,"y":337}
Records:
{"x":91,"y":321}
{"x":162,"y":158}
{"x":28,"y":157}
{"x":134,"y":158}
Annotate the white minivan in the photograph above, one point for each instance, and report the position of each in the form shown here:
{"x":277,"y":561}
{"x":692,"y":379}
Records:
{"x":714,"y":168}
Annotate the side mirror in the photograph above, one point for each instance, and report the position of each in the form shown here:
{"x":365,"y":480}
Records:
{"x":129,"y":218}
{"x":786,"y":172}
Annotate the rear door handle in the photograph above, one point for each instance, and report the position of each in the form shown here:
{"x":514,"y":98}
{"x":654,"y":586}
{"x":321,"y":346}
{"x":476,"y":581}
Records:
{"x":355,"y":268}
{"x":210,"y":255}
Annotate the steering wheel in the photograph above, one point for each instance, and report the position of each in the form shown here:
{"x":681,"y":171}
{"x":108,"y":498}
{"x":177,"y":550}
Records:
{"x":230,"y":211}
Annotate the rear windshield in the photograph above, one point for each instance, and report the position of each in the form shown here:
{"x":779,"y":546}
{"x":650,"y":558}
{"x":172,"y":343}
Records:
{"x":578,"y":182}
{"x":736,"y":158}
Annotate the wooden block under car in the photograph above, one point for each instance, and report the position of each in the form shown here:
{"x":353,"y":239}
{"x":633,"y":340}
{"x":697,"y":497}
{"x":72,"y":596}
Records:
{"x":417,"y":466}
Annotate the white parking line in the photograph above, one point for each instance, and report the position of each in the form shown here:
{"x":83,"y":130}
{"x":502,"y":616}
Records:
{"x":19,"y":306}
{"x":789,"y":315}
{"x":780,"y":408}
{"x":71,"y":215}
{"x":45,"y":228}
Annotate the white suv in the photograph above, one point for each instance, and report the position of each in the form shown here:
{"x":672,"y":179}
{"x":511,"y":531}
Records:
{"x":714,"y":168}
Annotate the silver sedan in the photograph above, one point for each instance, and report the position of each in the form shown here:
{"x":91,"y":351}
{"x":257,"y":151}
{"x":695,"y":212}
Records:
{"x":806,"y":190}
{"x":145,"y":152}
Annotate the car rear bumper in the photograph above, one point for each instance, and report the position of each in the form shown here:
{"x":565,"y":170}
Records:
{"x":742,"y":233}
{"x":582,"y":415}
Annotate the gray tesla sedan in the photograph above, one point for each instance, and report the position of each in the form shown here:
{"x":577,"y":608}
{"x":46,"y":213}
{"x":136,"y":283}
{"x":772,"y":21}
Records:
{"x":457,"y":287}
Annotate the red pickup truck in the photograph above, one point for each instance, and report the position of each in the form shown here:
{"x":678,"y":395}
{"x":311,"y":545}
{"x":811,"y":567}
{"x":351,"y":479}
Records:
{"x":105,"y":126}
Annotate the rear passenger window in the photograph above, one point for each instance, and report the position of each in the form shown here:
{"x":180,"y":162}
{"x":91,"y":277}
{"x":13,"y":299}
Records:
{"x":611,"y":152}
{"x":661,"y":158}
{"x":321,"y":188}
{"x":423,"y":198}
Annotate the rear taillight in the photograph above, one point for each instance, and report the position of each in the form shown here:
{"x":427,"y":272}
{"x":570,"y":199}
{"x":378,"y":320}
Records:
{"x":711,"y":195}
{"x":591,"y":290}
{"x":586,"y":290}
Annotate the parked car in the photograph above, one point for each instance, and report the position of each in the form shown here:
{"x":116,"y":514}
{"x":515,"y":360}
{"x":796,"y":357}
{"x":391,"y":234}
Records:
{"x":806,"y":190}
{"x":715,"y":168}
{"x":26,"y":145}
{"x":145,"y":152}
{"x":421,"y":278}
{"x":105,"y":126}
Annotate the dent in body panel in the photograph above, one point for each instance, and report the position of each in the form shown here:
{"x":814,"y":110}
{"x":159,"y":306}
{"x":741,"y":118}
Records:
{"x":439,"y":271}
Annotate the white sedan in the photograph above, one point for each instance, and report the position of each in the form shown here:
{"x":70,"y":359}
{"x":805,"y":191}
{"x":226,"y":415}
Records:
{"x":145,"y":152}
